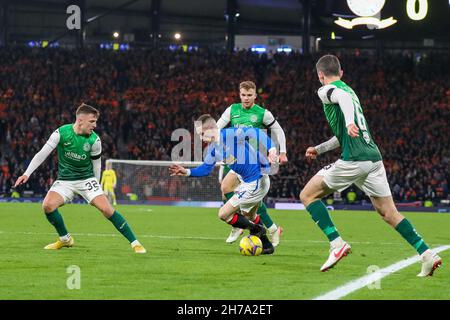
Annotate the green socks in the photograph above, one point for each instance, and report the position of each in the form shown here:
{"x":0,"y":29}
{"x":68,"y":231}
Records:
{"x":121,"y":224}
{"x":264,"y":215}
{"x":117,"y":220}
{"x":57,"y":221}
{"x":408,"y":232}
{"x":321,"y":217}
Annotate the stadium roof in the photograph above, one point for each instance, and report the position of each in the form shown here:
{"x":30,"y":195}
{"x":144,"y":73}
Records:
{"x":197,"y":18}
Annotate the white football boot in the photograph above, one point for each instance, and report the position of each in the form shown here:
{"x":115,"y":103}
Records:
{"x":275,"y":235}
{"x":338,"y":249}
{"x":430,"y":262}
{"x":234,"y":235}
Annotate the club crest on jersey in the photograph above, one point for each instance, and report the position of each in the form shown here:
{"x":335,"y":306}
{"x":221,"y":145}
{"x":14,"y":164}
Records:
{"x":86,"y":147}
{"x":253,"y":118}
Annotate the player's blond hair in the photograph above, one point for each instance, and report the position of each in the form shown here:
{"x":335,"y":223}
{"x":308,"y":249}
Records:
{"x":247,"y":85}
{"x":87,"y":109}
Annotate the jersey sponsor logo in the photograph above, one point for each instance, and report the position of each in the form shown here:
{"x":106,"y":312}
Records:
{"x":86,"y":147}
{"x":75,"y":156}
{"x":238,"y":125}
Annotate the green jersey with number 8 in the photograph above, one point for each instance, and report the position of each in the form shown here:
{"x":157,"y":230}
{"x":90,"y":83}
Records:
{"x":361,"y":148}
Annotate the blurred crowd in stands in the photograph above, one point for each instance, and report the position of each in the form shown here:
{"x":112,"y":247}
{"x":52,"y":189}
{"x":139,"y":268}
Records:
{"x":144,"y":95}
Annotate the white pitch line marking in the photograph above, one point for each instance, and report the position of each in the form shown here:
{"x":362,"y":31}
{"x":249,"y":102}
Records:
{"x":359,"y":283}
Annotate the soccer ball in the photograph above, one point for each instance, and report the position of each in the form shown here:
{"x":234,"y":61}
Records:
{"x":250,"y":246}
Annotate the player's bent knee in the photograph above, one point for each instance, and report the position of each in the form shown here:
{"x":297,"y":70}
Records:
{"x":222,"y":215}
{"x":305,"y":197}
{"x":301,"y":196}
{"x":392,"y":217}
{"x":107,"y":212}
{"x":49,"y":207}
{"x":388,"y":214}
{"x":225,"y":188}
{"x":387,"y":211}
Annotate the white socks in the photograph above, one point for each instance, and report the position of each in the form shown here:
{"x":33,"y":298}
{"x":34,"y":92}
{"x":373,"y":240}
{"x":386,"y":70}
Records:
{"x":65,"y":238}
{"x":135,"y":243}
{"x":336,"y":243}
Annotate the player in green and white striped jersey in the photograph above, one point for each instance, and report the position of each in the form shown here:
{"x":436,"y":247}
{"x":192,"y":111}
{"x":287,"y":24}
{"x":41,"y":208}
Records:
{"x":79,"y":167}
{"x":360,"y":164}
{"x":250,"y":115}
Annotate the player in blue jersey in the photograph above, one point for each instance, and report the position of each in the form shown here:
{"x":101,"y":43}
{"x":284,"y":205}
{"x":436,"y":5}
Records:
{"x":252,"y":167}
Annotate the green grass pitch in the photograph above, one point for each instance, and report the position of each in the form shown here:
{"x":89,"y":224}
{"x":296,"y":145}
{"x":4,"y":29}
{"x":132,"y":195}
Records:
{"x":188,"y":258}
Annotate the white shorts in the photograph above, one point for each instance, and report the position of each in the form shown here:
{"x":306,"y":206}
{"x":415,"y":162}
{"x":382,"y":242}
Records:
{"x":232,"y":172}
{"x":88,"y":189}
{"x":237,"y":175}
{"x":368,"y":176}
{"x":248,"y":195}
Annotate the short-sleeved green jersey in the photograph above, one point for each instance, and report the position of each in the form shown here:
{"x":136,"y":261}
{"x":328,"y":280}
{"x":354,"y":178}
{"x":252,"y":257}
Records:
{"x":362,"y":148}
{"x":74,"y":154}
{"x":248,"y":118}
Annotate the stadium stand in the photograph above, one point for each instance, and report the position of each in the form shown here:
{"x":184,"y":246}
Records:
{"x":144,"y":95}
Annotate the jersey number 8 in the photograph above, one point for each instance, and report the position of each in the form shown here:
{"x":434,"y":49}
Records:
{"x":359,"y":116}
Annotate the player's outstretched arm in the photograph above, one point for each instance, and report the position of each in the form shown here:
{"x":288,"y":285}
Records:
{"x":21,"y":180}
{"x":34,"y":164}
{"x":39,"y":158}
{"x":313,"y":152}
{"x":177,"y":170}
